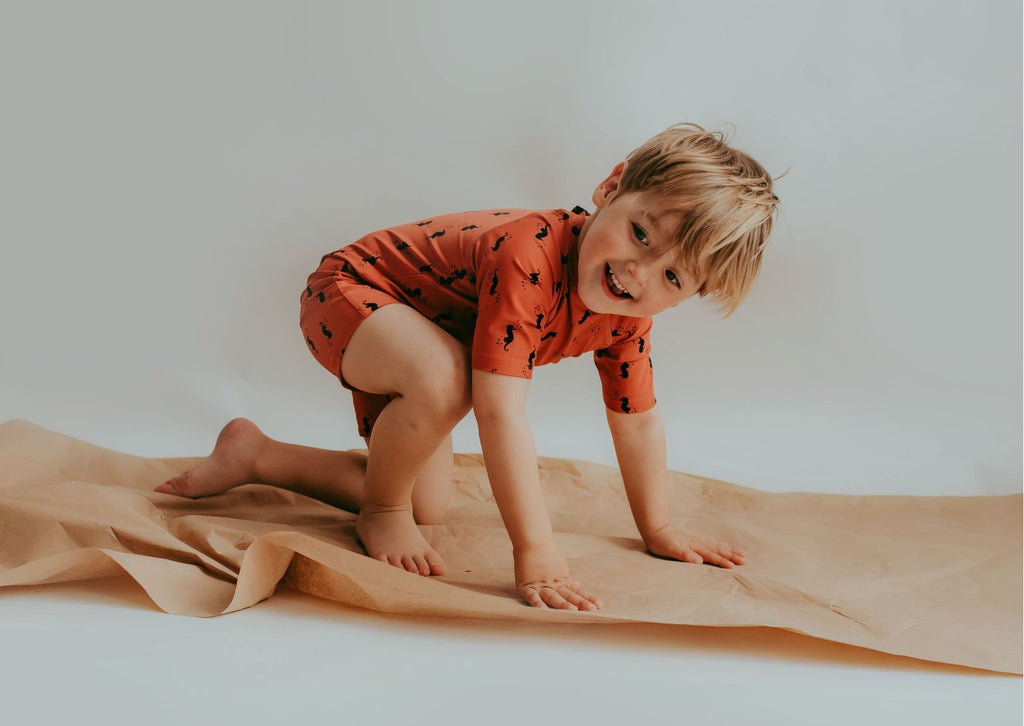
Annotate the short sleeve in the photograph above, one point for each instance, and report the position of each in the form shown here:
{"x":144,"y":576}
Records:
{"x":626,"y":371}
{"x":514,"y":282}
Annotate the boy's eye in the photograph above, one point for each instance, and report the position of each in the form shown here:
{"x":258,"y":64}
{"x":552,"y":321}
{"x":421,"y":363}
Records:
{"x":673,"y":278}
{"x":640,"y":235}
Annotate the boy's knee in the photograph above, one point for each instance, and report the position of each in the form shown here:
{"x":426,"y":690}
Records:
{"x":445,"y":386}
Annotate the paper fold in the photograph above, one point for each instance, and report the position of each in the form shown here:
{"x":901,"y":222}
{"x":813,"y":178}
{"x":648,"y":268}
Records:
{"x":936,"y":578}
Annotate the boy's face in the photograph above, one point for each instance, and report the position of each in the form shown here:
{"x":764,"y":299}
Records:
{"x":626,"y":266}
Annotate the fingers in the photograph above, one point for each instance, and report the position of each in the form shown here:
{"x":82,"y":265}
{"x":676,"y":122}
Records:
{"x":532,"y":596}
{"x":720,"y":555}
{"x":705,"y":552}
{"x":584,"y":597}
{"x":580,"y":600}
{"x":693,"y":557}
{"x":559,"y":596}
{"x":713,"y":558}
{"x":553,"y":598}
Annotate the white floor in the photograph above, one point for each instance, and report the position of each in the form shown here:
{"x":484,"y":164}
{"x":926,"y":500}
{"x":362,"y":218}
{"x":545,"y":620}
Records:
{"x":101,"y":653}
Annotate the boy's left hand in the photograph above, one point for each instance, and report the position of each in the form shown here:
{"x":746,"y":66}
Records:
{"x":675,"y":544}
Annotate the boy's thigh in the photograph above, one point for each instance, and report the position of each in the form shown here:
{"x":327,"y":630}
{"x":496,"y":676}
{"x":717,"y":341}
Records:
{"x":396,"y":350}
{"x":332,"y":307}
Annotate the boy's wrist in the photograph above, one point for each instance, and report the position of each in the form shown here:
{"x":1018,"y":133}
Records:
{"x":542,"y":554}
{"x":649,"y":532}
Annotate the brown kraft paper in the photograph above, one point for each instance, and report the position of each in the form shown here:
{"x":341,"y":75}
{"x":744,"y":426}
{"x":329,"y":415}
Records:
{"x":935,"y":578}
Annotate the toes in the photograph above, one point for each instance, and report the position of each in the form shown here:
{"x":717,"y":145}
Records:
{"x":178,"y":485}
{"x":435,"y":563}
{"x":425,"y":565}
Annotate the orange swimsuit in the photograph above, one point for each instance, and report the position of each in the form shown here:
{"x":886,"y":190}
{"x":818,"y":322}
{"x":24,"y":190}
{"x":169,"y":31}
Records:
{"x":496,"y":280}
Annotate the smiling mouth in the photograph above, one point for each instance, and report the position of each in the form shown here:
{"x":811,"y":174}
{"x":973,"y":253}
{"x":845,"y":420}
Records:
{"x":613,"y":283}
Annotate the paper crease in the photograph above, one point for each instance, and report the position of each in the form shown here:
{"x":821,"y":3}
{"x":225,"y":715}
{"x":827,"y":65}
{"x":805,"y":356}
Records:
{"x":932,"y":578}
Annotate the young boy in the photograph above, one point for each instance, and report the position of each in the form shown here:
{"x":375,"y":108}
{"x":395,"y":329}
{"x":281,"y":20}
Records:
{"x":427,"y":320}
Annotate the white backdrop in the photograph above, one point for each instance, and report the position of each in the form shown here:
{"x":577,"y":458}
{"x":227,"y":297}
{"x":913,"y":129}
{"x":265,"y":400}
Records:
{"x":171,"y":172}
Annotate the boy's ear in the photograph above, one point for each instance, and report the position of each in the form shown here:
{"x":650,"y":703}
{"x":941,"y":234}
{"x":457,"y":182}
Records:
{"x":606,"y":190}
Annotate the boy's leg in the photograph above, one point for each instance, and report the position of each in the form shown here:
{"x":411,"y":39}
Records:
{"x":245,"y":455}
{"x":398,"y":352}
{"x":432,"y":493}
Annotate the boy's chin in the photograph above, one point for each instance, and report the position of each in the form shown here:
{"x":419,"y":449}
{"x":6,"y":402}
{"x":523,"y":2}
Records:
{"x":597,"y":301}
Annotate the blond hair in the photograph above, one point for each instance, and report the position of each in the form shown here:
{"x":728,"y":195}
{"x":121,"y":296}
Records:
{"x":722,"y":197}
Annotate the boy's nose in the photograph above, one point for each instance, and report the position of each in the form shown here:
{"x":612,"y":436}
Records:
{"x":636,"y":272}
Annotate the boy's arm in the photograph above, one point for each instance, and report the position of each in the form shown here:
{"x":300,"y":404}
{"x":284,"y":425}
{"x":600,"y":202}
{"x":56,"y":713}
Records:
{"x":542,"y":575}
{"x":640,"y":448}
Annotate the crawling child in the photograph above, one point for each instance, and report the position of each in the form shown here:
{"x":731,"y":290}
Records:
{"x":425,"y":321}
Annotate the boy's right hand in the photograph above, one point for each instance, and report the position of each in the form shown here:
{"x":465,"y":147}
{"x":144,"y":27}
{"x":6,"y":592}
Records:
{"x":543,"y":579}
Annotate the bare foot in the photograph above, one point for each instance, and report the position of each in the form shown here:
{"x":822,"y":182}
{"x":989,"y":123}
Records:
{"x":228,"y":466}
{"x":390,"y":535}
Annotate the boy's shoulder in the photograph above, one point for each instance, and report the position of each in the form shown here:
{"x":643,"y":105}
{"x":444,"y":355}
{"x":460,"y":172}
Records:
{"x":483,"y":221}
{"x":494,"y":237}
{"x":531,"y":241}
